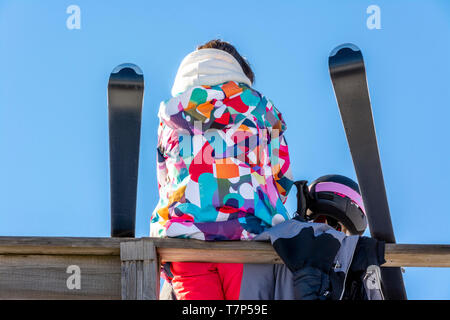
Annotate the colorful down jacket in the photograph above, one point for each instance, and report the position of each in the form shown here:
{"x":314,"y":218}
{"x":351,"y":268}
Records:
{"x":223,"y":164}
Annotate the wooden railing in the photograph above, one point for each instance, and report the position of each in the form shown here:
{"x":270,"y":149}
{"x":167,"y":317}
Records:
{"x":128,"y":268}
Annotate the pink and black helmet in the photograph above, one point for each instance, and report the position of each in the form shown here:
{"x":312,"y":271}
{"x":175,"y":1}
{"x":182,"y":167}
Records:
{"x":337,"y":198}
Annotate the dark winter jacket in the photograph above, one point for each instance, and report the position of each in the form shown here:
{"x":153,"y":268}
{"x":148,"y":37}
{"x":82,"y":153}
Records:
{"x":320,"y":264}
{"x":327,"y":264}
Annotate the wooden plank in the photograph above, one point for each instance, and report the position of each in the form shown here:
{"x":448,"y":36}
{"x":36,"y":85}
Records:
{"x":128,"y":255}
{"x":417,"y":255}
{"x":219,"y":255}
{"x":409,"y":255}
{"x":139,"y":279}
{"x":45,"y":277}
{"x":396,"y":255}
{"x":131,"y":250}
{"x":131,"y":285}
{"x":151,"y":271}
{"x":125,"y":278}
{"x":225,"y":251}
{"x":140,"y":270}
{"x":61,"y":245}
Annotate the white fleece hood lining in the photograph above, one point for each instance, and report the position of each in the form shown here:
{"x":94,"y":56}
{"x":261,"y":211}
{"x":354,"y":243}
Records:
{"x":208,"y":67}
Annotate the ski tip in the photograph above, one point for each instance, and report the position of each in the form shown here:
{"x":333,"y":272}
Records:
{"x":132,"y":66}
{"x":344,"y":46}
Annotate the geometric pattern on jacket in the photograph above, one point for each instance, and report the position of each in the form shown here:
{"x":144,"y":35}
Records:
{"x":223,"y":165}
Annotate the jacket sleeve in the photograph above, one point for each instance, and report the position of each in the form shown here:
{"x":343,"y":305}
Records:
{"x":279,"y":154}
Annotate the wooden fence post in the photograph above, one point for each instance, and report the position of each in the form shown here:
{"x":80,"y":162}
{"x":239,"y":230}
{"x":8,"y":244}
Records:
{"x":140,"y":270}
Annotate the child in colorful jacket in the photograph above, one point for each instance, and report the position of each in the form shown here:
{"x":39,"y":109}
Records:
{"x":223,"y":165}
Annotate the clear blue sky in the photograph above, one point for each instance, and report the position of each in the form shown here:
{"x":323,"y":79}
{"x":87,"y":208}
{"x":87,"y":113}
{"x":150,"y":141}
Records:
{"x":54,"y":158}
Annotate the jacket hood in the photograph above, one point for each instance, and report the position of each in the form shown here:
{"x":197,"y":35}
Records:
{"x":207,"y":67}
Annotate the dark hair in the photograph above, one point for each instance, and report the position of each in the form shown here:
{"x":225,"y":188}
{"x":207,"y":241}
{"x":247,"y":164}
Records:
{"x":227,"y":47}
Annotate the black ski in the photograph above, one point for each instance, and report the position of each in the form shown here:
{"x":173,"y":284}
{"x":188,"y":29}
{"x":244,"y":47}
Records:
{"x":348,"y":75}
{"x":125,"y":96}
